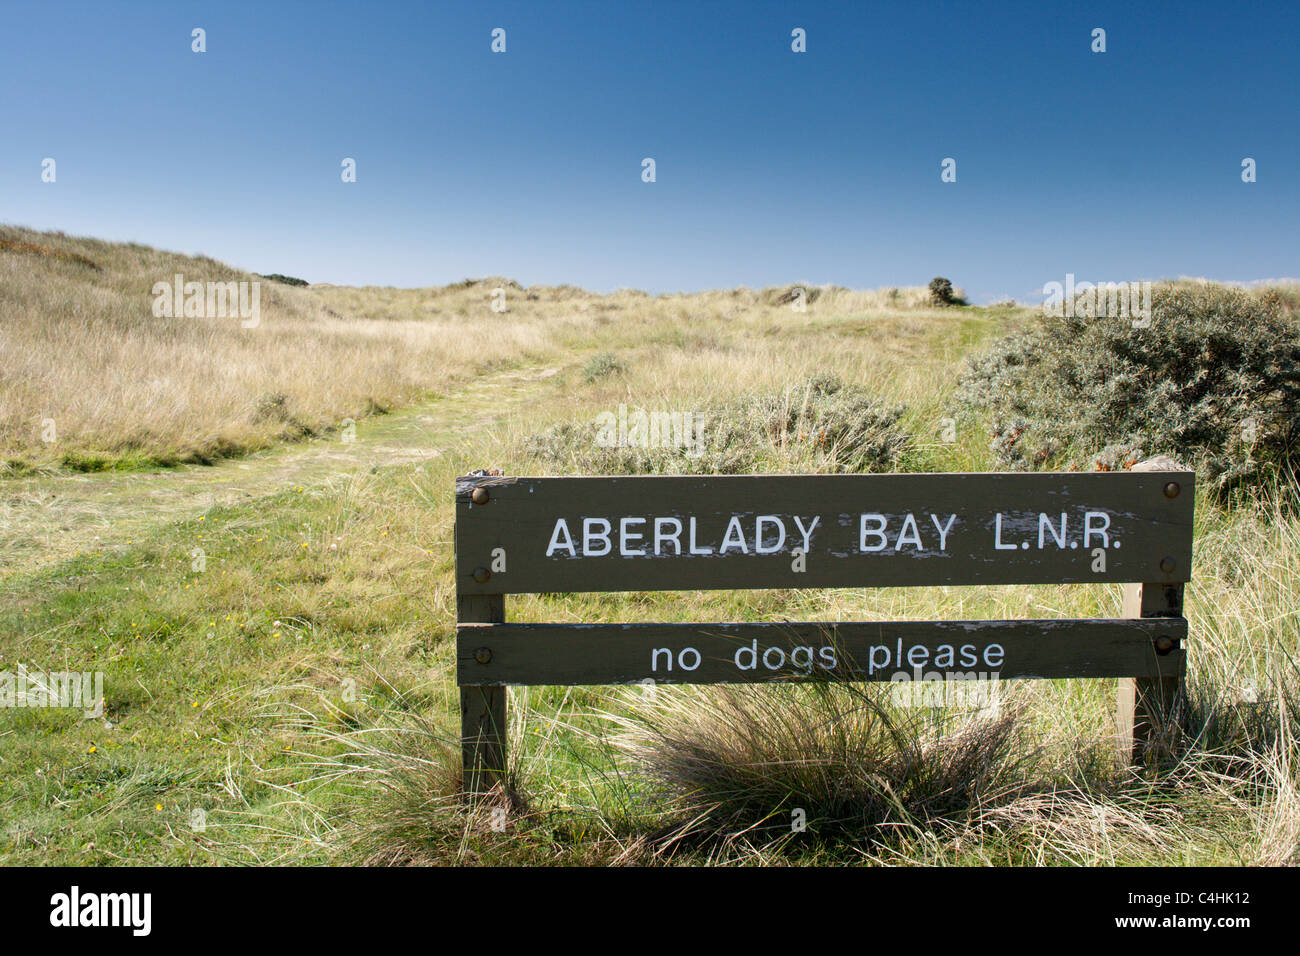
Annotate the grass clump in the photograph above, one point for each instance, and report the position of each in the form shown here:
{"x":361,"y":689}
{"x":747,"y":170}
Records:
{"x":1213,"y":380}
{"x":384,"y":784}
{"x":405,"y":770}
{"x":822,"y":764}
{"x":791,"y":294}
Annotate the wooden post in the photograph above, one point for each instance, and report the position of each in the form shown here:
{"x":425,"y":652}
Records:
{"x":1146,"y":707}
{"x":482,"y":709}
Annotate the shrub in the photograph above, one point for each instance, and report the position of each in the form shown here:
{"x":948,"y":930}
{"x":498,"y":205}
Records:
{"x":941,"y":292}
{"x":1213,"y":381}
{"x":602,"y":366}
{"x":822,"y":425}
{"x":285,"y":280}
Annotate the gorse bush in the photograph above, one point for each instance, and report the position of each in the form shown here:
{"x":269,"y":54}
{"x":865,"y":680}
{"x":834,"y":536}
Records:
{"x":941,"y":292}
{"x":1213,"y":380}
{"x":822,"y":425}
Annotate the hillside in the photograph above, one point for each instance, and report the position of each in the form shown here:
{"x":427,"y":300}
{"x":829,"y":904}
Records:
{"x":93,"y":379}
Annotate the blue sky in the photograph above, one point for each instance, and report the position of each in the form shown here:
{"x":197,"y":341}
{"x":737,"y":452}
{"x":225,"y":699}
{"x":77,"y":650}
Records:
{"x":772,"y":166}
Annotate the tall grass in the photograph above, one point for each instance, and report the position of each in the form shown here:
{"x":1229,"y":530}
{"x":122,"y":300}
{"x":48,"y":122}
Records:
{"x":84,"y":352}
{"x":121,"y":387}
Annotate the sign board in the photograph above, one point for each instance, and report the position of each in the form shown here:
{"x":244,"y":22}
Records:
{"x":524,"y":654}
{"x":534,"y":535}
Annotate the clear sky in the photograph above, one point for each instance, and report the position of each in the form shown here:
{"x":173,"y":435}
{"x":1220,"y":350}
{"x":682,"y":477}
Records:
{"x":772,"y":166}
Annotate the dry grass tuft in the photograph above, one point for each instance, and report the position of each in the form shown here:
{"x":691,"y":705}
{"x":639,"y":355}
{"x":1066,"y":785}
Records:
{"x":743,"y":766}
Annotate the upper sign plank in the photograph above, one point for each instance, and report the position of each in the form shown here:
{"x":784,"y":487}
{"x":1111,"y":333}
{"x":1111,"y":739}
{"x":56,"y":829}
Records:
{"x":681,"y":533}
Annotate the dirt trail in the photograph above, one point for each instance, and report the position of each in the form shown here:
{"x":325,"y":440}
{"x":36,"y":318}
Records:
{"x":49,"y":518}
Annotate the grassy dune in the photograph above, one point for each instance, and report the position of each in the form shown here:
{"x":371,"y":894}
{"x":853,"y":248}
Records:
{"x":124,"y":388}
{"x":298,"y":690}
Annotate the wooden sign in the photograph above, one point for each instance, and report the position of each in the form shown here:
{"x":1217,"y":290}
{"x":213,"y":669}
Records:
{"x":531,"y":535}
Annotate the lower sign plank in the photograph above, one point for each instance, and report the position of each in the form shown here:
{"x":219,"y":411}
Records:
{"x":541,"y":654}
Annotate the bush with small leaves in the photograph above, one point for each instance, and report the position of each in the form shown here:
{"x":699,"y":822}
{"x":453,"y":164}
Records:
{"x":602,"y":366}
{"x":1213,"y":381}
{"x":822,"y":425}
{"x":941,"y":292}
